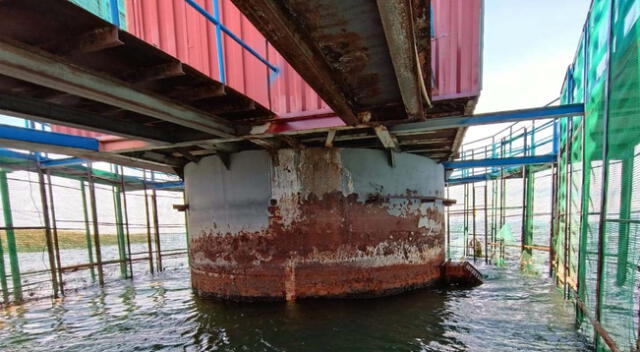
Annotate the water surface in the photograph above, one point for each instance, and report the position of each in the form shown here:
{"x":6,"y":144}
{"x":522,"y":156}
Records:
{"x":510,"y":312}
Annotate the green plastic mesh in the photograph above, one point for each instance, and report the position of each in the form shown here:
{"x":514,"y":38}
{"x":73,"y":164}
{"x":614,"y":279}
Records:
{"x":580,"y":193}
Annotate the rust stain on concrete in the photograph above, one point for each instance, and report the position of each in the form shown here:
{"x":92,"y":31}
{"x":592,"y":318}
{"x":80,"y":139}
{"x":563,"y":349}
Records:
{"x":337,"y":247}
{"x":335,"y":224}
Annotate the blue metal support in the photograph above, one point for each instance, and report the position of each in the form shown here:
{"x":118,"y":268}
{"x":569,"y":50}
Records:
{"x":10,"y":154}
{"x":62,"y":162}
{"x":115,"y":12}
{"x":546,"y":112}
{"x":228,"y":32}
{"x":511,"y":161}
{"x":216,"y":15}
{"x":165,"y":185}
{"x":21,"y":134}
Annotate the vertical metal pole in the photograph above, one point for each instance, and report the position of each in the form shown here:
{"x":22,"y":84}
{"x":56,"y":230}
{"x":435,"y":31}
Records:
{"x":126,"y":220}
{"x":3,"y":276}
{"x":567,"y":206}
{"x":625,"y":214}
{"x":47,"y":232}
{"x":186,"y":224}
{"x":11,"y":238}
{"x":146,"y":210}
{"x":96,"y":231}
{"x":486,"y":226}
{"x":523,"y":231}
{"x":602,"y":234}
{"x":586,"y":180}
{"x":156,"y":225}
{"x":503,"y":189}
{"x":122,"y":248}
{"x":473,"y":214}
{"x":465,"y":221}
{"x":554,"y":216}
{"x":87,"y":230}
{"x":54,"y":225}
{"x":448,"y":228}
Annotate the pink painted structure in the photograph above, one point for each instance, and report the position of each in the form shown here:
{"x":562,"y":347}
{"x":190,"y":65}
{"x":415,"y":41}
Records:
{"x":181,"y":31}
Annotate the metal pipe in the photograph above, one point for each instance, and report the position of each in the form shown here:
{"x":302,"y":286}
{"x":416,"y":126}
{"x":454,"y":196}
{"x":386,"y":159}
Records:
{"x":567,"y":205}
{"x":486,"y":227}
{"x":602,"y":236}
{"x":554,"y":216}
{"x":47,"y":233}
{"x":126,"y":220}
{"x":96,"y":231}
{"x":54,"y":225}
{"x":524,"y":195}
{"x":599,"y":329}
{"x":448,"y":228}
{"x":11,"y":238}
{"x":626,"y":195}
{"x":465,"y":221}
{"x":227,"y":31}
{"x":3,"y":276}
{"x":146,"y":210}
{"x":219,"y":48}
{"x":186,"y":224}
{"x":117,"y":207}
{"x":584,"y":221}
{"x":156,"y":225}
{"x":473,"y":216}
{"x":87,"y":230}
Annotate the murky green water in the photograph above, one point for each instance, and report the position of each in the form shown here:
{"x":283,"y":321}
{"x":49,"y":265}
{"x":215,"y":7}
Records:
{"x":510,"y":312}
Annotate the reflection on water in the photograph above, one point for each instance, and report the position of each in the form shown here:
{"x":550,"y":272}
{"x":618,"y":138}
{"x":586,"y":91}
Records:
{"x":509,"y":312}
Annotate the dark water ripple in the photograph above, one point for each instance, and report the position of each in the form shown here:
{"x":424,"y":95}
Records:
{"x":510,"y":312}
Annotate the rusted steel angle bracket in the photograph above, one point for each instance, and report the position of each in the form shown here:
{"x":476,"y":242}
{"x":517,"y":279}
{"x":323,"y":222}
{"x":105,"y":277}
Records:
{"x":35,"y":66}
{"x":299,"y":50}
{"x":397,"y":22}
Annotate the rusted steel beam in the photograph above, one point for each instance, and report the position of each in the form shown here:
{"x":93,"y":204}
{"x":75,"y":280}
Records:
{"x":152,"y":73}
{"x":299,"y":50}
{"x":87,"y":154}
{"x":331,"y":135}
{"x":34,"y":66}
{"x":94,"y":40}
{"x":600,"y":330}
{"x":37,"y":110}
{"x":397,"y":21}
{"x":292,"y":142}
{"x":388,"y":141}
{"x":198,"y":93}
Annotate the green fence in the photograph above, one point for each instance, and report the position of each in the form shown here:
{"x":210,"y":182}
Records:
{"x":598,"y":202}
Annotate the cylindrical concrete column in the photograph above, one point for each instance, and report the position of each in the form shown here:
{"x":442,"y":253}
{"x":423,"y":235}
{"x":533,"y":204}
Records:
{"x":314,"y":223}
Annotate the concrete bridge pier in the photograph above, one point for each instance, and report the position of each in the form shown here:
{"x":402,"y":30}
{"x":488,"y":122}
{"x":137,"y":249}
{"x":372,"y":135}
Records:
{"x":314,"y":222}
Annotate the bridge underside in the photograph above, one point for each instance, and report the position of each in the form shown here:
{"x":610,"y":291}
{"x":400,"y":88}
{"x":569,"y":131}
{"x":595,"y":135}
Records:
{"x":71,"y":68}
{"x":274,"y":212}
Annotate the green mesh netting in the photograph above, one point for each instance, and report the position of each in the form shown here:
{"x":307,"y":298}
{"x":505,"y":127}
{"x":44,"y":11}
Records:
{"x":612,"y":105}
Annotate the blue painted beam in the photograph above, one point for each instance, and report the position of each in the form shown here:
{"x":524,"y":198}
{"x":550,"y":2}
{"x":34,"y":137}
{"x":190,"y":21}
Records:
{"x":62,"y":162}
{"x":165,"y":185}
{"x":546,"y":112}
{"x":21,"y":134}
{"x":523,"y":160}
{"x":10,"y":154}
{"x":469,"y":179}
